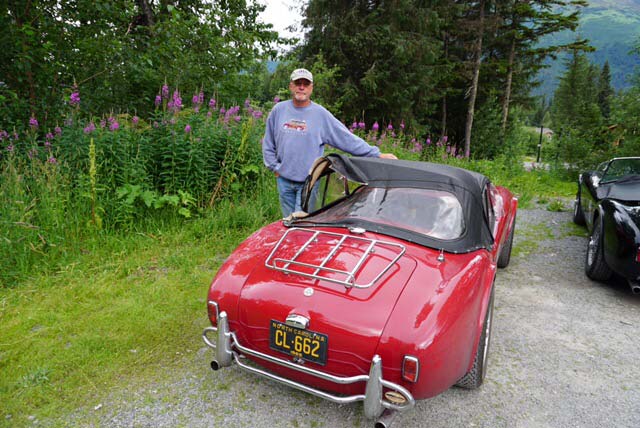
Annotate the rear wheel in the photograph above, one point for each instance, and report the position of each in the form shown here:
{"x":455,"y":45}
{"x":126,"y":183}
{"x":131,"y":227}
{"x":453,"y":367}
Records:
{"x":505,"y":252}
{"x":578,"y":214}
{"x":474,"y":377}
{"x":595,"y":266}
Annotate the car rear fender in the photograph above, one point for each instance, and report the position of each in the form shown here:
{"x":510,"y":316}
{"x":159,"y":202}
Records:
{"x":438,"y":319}
{"x":226,"y":287}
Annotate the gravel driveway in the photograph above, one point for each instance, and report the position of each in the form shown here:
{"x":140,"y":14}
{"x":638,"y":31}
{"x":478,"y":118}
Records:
{"x":565,"y":353}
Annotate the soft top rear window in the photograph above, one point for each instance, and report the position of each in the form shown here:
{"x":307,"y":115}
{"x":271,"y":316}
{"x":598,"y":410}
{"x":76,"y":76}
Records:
{"x":434,"y":213}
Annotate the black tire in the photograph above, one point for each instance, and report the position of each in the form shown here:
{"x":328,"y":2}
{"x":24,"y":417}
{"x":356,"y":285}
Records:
{"x":474,"y":377}
{"x":505,"y":253}
{"x":595,"y":266}
{"x":578,"y":214}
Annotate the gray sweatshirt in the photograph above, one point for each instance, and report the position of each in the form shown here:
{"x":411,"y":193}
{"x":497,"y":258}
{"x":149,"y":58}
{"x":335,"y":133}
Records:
{"x":295,"y":137}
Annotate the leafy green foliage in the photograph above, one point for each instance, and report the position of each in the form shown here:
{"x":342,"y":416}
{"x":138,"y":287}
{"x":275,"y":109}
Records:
{"x":119,"y":53}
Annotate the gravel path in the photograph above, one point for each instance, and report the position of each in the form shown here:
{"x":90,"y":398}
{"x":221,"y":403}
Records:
{"x":564,"y":354}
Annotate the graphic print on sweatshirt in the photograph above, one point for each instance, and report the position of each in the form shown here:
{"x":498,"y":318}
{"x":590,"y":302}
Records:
{"x":295,"y":125}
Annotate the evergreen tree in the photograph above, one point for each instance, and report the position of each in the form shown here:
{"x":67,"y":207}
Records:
{"x":385,"y":52}
{"x":575,"y":104}
{"x":605,"y":91}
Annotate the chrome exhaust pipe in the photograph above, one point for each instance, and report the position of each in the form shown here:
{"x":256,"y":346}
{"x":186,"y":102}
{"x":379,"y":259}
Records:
{"x":635,"y":288}
{"x":386,"y":419}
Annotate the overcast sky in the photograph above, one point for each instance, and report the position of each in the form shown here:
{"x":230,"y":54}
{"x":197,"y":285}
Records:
{"x":280,"y":14}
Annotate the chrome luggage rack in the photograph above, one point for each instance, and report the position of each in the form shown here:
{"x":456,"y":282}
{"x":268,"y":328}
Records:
{"x":321,"y":271}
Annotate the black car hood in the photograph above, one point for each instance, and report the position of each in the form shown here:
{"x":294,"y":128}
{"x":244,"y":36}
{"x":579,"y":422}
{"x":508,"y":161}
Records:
{"x":626,"y":189}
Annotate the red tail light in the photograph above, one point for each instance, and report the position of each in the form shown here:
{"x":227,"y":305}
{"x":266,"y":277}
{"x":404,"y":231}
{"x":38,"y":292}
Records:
{"x":410,"y":368}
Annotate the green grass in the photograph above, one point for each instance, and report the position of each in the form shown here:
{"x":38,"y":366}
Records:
{"x":125,"y":306}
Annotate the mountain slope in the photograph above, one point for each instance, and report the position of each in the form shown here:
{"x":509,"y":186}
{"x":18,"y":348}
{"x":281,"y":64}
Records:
{"x":613,"y":28}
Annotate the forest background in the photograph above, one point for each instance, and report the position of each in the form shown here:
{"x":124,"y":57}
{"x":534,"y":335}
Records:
{"x":130,"y":147}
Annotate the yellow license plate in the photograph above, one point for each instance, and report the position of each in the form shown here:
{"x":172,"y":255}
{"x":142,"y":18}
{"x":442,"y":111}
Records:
{"x":305,"y":344}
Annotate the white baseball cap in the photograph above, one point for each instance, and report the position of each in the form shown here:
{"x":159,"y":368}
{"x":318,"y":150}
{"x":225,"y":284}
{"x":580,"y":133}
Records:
{"x":301,"y":73}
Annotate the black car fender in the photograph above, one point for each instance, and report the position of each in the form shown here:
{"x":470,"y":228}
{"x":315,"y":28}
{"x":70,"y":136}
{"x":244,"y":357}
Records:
{"x":620,"y":233}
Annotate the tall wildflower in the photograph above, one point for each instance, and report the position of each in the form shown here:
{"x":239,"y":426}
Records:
{"x":74,"y":99}
{"x":33,"y":123}
{"x":165,"y":91}
{"x":375,"y":126}
{"x":177,"y":101}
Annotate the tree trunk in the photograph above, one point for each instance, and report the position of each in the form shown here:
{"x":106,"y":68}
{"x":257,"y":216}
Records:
{"x":146,"y":11}
{"x":443,"y":123}
{"x":474,"y":83}
{"x":507,"y":90}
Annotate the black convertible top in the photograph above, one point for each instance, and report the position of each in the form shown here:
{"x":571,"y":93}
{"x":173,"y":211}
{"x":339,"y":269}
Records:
{"x":466,"y":185}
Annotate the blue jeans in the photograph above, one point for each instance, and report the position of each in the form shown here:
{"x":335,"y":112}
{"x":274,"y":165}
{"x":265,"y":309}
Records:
{"x":290,"y":193}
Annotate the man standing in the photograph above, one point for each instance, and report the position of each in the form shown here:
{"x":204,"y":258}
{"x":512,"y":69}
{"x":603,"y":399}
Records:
{"x":296,"y":133}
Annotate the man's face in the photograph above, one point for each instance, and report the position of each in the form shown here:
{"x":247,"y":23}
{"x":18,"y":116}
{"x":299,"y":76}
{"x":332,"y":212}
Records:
{"x":301,"y":90}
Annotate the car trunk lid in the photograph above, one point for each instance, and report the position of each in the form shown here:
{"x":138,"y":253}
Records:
{"x":348,"y":300}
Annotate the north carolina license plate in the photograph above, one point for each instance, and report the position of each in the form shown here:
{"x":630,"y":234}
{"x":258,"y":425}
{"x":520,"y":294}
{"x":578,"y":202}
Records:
{"x":305,"y":344}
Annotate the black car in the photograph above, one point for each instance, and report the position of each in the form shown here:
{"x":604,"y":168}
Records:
{"x":608,"y":204}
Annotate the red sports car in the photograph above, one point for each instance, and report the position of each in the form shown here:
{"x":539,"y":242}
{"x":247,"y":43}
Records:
{"x":381,"y":292}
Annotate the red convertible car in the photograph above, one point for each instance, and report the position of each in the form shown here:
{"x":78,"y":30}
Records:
{"x":381,"y":293}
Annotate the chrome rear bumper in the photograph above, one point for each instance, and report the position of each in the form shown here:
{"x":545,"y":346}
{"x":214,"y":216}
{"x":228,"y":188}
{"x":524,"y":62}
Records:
{"x":228,"y":350}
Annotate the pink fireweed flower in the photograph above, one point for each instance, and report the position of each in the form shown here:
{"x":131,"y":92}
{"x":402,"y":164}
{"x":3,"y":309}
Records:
{"x":158,"y":100}
{"x":247,"y":103}
{"x":194,"y":99}
{"x":200,"y":97}
{"x":114,"y":126}
{"x":33,"y":123}
{"x":187,"y":129}
{"x":212,"y":103}
{"x":257,"y":114}
{"x":276,"y":99}
{"x":49,"y":136}
{"x":89,"y":128}
{"x":361,"y":125}
{"x":10,"y":148}
{"x":165,"y":91}
{"x":74,"y":99}
{"x":445,"y":139}
{"x":402,"y":125}
{"x":353,"y":126}
{"x":208,"y":114}
{"x":57,"y":130}
{"x":52,"y":160}
{"x":177,"y":101}
{"x":135,"y":120}
{"x":390,"y":126}
{"x":47,"y":143}
{"x":428,"y":142}
{"x":223,"y":110}
{"x":375,"y":126}
{"x":237,"y":118}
